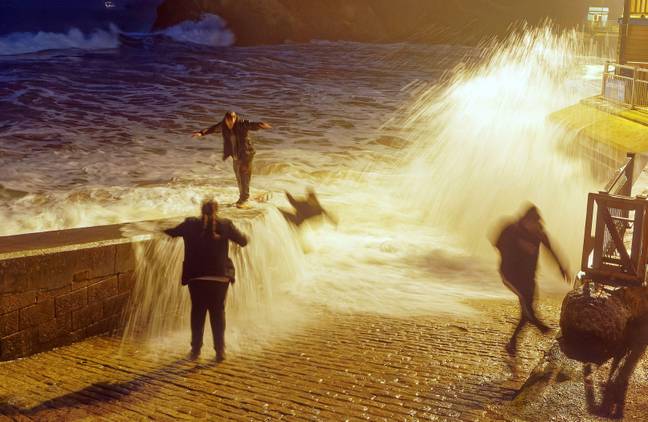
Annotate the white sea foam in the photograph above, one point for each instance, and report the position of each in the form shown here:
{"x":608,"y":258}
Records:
{"x":30,"y":42}
{"x":210,"y":30}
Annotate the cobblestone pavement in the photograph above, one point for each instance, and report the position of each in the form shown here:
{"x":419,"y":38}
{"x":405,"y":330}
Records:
{"x":343,"y":367}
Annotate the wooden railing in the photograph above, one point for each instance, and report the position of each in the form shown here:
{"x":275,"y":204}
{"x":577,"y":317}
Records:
{"x":621,"y":182}
{"x":615,"y":247}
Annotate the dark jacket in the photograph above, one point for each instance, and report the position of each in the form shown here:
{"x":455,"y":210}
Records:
{"x":204,"y":255}
{"x":236,"y":141}
{"x":519,"y":250}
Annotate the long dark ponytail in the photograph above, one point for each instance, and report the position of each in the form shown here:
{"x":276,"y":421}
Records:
{"x":209,"y":210}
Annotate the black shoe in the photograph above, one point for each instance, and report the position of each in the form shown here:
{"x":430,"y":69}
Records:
{"x":194,"y":354}
{"x":511,"y":349}
{"x":544,"y":329}
{"x":220,"y":356}
{"x":243,"y":205}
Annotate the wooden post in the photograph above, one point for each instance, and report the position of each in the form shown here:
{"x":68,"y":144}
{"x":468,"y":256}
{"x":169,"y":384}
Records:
{"x":599,"y":236}
{"x":623,"y":32}
{"x":636,"y":252}
{"x":629,"y":173}
{"x":634,"y":88}
{"x":643,"y":259}
{"x":588,"y":241}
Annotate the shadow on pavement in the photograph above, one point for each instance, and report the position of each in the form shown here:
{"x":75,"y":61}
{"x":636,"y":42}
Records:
{"x":100,"y":392}
{"x":615,"y":389}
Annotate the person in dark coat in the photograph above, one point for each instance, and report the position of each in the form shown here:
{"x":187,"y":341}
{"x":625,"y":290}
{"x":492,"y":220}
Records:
{"x":305,"y":209}
{"x":238,"y":145}
{"x":208,"y":270}
{"x":519,"y":245}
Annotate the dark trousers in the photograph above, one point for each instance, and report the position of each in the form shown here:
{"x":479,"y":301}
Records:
{"x":208,"y":296}
{"x":243,"y":172}
{"x":524,"y":288}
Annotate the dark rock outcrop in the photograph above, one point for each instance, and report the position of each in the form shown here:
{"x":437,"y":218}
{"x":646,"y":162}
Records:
{"x":603,"y":340}
{"x":427,"y":21}
{"x":595,"y":325}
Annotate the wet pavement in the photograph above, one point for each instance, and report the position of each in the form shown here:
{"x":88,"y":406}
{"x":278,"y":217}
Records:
{"x":341,"y":367}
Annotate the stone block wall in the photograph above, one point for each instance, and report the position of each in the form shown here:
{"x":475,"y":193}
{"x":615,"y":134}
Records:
{"x":53,"y":297}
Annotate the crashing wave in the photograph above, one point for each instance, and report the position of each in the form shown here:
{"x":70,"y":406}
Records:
{"x":31,"y":42}
{"x":210,"y":30}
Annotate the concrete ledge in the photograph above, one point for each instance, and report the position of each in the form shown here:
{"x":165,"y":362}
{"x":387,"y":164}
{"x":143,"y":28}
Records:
{"x":605,"y":123}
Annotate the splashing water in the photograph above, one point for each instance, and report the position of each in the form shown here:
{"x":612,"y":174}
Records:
{"x":416,"y":198}
{"x":209,"y":30}
{"x":160,"y":306}
{"x":483,"y":145}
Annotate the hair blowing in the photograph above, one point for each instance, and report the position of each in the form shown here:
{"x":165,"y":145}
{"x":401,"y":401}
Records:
{"x":209,"y":210}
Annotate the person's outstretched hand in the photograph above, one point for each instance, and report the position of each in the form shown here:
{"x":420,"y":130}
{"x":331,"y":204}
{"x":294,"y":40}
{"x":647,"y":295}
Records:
{"x":264,"y":125}
{"x":198,"y":134}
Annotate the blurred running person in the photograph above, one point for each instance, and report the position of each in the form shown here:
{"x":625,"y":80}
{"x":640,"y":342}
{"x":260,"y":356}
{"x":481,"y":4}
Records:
{"x":519,"y":246}
{"x":305,"y":209}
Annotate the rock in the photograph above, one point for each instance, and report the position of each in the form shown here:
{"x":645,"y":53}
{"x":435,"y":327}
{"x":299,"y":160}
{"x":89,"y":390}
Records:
{"x":594,"y":325}
{"x":257,"y":22}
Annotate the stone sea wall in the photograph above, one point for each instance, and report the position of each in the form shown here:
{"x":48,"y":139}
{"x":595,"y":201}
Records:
{"x":60,"y":287}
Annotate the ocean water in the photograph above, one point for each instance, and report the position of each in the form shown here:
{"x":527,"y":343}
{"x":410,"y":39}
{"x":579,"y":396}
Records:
{"x":419,"y":151}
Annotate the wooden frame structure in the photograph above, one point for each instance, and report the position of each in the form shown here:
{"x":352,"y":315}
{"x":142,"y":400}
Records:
{"x":615,"y":246}
{"x":633,"y":32}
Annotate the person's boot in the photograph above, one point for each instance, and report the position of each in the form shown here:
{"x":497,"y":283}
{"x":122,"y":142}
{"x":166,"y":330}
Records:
{"x":220,"y":355}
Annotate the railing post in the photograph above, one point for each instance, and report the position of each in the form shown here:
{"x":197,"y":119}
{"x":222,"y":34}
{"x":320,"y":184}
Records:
{"x":605,"y":72}
{"x":634,"y":88}
{"x":629,"y":174}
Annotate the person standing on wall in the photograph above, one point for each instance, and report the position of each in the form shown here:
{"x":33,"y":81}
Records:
{"x":519,"y":246}
{"x":208,"y":270}
{"x":238,"y":145}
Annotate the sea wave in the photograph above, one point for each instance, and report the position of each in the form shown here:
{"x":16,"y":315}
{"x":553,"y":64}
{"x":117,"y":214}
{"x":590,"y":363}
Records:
{"x":210,"y":30}
{"x":31,"y":42}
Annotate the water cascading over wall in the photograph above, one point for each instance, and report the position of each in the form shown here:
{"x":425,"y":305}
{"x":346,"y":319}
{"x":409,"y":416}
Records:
{"x":265,"y":269}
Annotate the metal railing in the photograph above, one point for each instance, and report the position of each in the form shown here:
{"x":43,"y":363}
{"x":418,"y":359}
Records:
{"x":638,"y":7}
{"x":626,"y":84}
{"x":621,"y":182}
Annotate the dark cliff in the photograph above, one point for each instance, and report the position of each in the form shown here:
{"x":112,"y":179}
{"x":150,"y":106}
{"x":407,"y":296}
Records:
{"x":427,"y":21}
